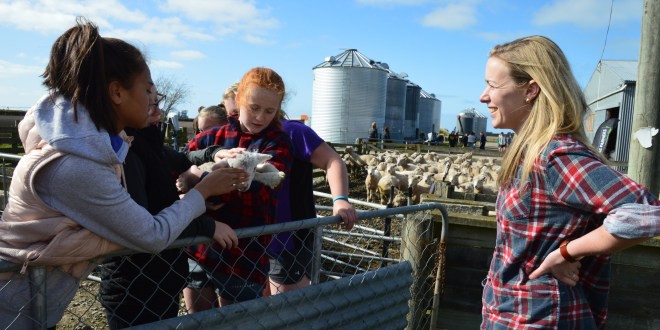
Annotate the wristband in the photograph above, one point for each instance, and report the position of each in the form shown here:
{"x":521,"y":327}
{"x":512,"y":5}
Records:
{"x":564,"y":251}
{"x":338,"y":198}
{"x":204,"y":174}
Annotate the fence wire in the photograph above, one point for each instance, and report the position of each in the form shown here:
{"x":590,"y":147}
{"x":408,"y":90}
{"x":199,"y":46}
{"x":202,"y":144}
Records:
{"x":386,"y":272}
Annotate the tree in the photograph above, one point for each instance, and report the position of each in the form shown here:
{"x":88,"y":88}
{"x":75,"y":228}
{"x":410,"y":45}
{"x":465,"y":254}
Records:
{"x":175,"y":91}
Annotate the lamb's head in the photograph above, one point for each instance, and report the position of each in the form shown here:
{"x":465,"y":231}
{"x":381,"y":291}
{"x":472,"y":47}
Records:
{"x":248,"y":161}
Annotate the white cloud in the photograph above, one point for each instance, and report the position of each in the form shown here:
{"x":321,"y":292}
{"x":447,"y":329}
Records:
{"x":380,"y":3}
{"x":9,"y":69}
{"x":587,"y":13}
{"x":160,"y":64}
{"x":46,"y":16}
{"x":187,"y":55}
{"x":257,"y":40}
{"x":228,"y":17}
{"x":160,"y":31}
{"x":452,"y":17}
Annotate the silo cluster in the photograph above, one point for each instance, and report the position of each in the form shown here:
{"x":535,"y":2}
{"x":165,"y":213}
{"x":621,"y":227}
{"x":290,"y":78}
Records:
{"x":350,"y":91}
{"x":470,"y":120}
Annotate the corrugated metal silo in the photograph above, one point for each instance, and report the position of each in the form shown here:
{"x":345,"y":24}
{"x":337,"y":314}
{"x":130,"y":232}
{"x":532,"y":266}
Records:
{"x":348,"y":95}
{"x":410,"y":120}
{"x":429,"y":112}
{"x":471,"y":121}
{"x":395,"y":105}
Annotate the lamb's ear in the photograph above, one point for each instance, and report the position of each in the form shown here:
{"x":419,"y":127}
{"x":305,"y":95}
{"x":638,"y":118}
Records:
{"x":262,"y":157}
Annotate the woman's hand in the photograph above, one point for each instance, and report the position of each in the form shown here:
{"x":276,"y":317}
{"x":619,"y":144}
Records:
{"x":221,"y":181}
{"x":225,"y":236}
{"x":564,"y":271}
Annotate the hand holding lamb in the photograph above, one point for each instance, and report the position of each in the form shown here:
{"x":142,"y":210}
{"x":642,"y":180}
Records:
{"x":253,"y":163}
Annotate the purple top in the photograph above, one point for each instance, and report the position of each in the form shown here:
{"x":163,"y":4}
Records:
{"x":304,"y":141}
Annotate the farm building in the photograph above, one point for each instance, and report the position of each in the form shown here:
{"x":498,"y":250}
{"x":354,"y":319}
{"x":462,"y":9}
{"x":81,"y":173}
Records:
{"x":610,"y":95}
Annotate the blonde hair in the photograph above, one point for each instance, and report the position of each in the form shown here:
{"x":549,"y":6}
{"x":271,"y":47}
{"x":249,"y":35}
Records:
{"x":216,"y":113}
{"x":230,"y":92}
{"x":559,"y":107}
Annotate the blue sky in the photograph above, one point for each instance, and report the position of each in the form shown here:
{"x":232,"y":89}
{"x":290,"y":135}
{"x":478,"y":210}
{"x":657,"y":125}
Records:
{"x":207,"y":45}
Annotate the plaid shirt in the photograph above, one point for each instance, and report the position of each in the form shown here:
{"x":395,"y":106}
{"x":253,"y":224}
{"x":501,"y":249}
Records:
{"x":202,"y":140}
{"x":255,"y":207}
{"x":570,"y":192}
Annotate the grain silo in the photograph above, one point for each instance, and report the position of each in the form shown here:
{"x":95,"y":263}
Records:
{"x":429,"y":112}
{"x":410,"y":120}
{"x":348,"y":94}
{"x":471,"y":121}
{"x":395,"y":104}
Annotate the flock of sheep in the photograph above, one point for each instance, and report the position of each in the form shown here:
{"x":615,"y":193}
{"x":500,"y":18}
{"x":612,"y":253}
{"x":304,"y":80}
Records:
{"x":396,"y":172}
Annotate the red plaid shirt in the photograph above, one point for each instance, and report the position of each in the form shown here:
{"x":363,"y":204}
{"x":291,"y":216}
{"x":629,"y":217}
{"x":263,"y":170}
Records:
{"x":202,"y":140}
{"x":255,"y":207}
{"x":569,"y":193}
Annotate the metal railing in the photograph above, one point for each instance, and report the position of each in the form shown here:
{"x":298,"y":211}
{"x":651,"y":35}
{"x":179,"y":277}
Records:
{"x":370,"y":276}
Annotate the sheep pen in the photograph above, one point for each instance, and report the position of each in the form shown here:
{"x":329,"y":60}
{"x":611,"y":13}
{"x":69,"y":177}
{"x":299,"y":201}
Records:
{"x":87,"y":313}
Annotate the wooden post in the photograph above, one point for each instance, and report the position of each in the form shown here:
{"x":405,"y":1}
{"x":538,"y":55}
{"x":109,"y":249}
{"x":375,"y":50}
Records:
{"x":417,"y":247}
{"x":644,"y":164}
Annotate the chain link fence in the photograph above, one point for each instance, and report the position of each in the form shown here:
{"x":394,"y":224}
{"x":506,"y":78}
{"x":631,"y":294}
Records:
{"x":387,"y":272}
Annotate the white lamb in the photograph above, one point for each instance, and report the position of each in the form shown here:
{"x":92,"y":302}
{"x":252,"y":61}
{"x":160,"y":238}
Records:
{"x":371,"y":183}
{"x":254,"y":164}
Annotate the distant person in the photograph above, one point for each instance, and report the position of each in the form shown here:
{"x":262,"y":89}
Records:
{"x":501,"y":142}
{"x":509,"y":139}
{"x":472,"y":140}
{"x":386,"y":135}
{"x":561,"y":210}
{"x":441,"y":139}
{"x":464,"y":140}
{"x":482,"y":141}
{"x":452,"y":140}
{"x":373,"y":132}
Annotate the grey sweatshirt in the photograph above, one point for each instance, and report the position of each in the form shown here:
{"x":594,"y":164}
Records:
{"x":83,"y":185}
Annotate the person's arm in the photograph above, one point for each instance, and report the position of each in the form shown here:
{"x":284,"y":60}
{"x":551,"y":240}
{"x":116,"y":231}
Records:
{"x":579,"y":181}
{"x":202,"y":156}
{"x":325,"y":158}
{"x":91,"y":195}
{"x":597,"y":242}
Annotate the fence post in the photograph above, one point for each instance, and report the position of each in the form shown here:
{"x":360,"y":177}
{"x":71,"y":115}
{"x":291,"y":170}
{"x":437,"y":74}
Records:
{"x":416,"y":240}
{"x":316,"y":267}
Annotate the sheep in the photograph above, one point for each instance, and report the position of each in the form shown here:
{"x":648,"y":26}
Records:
{"x":254,"y":164}
{"x":361,"y":160}
{"x":386,"y":182}
{"x":400,"y":199}
{"x":424,"y":186}
{"x":371,"y":183}
{"x":484,"y":184}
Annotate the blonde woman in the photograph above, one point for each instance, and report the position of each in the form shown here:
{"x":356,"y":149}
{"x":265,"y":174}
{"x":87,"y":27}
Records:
{"x":560,"y":210}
